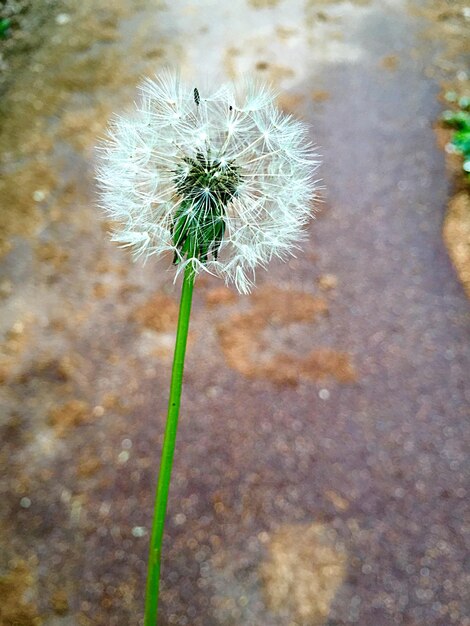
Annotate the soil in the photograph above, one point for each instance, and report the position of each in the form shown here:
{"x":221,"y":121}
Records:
{"x":320,"y":473}
{"x":449,"y":24}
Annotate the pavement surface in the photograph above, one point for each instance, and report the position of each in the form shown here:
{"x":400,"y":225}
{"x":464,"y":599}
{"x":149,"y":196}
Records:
{"x":320,"y":473}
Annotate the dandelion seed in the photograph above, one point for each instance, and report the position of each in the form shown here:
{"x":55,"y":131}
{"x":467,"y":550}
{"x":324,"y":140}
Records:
{"x":222,"y":180}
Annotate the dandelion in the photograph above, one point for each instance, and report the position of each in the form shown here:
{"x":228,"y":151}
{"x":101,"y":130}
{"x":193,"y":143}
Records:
{"x":222,"y":182}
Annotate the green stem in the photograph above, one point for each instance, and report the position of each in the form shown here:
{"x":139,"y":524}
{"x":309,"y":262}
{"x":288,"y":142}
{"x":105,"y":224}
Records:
{"x":153,"y":576}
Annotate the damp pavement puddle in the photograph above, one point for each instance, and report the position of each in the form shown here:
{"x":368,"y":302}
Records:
{"x":319,"y":475}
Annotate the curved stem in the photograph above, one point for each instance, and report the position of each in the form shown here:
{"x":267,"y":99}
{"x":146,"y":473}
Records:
{"x":166,"y":463}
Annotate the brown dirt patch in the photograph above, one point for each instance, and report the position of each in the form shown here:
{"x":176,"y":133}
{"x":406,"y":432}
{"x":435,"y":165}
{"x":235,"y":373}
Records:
{"x":340,"y":503}
{"x":88,"y":466}
{"x":159,"y":313}
{"x":317,"y":365}
{"x":51,"y":253}
{"x":448,"y":25}
{"x":326,"y":282}
{"x":389,"y":62}
{"x":220,"y":295}
{"x":285,"y":306}
{"x":456,"y":233}
{"x":305,"y":567}
{"x":82,"y":56}
{"x":69,"y":415}
{"x":47,"y":369}
{"x":100,"y":290}
{"x":16,"y":609}
{"x":321,"y":96}
{"x":13,"y":349}
{"x":318,"y":3}
{"x":263,"y":4}
{"x":248,"y":351}
{"x":59,"y":602}
{"x":290,"y":102}
{"x":20,"y":214}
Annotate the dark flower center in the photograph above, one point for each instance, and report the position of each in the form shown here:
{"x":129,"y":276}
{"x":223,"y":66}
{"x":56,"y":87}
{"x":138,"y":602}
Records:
{"x":205,"y":186}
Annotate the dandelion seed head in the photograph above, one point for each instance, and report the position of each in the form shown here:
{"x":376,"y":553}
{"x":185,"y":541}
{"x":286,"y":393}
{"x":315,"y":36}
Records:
{"x":222,"y":180}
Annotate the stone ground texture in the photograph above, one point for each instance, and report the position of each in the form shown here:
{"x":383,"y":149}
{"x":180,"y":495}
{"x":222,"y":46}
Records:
{"x":320,"y":473}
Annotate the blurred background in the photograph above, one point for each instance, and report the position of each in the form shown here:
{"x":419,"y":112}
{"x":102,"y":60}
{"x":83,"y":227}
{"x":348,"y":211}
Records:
{"x":320,"y":475}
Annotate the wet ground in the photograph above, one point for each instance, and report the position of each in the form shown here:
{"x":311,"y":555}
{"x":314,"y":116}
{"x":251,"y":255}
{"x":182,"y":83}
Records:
{"x":319,"y":476}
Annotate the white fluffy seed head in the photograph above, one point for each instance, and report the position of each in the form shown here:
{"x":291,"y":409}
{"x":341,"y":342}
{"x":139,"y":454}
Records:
{"x":222,"y":180}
